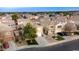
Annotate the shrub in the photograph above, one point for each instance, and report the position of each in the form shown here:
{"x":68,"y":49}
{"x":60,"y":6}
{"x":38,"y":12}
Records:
{"x":54,"y":37}
{"x":32,"y":42}
{"x":60,"y":38}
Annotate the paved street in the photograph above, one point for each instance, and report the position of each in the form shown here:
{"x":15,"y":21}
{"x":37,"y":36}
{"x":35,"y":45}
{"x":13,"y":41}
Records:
{"x":63,"y":46}
{"x":68,"y":46}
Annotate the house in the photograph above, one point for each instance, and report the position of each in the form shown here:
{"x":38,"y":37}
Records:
{"x":39,"y":30}
{"x":55,"y":24}
{"x":38,"y":27}
{"x":6,"y":33}
{"x":51,"y":28}
{"x":7,"y":20}
{"x":62,"y":22}
{"x":59,"y":27}
{"x":75,"y":18}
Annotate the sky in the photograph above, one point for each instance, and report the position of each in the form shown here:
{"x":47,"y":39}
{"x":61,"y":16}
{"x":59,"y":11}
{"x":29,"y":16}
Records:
{"x":37,"y":9}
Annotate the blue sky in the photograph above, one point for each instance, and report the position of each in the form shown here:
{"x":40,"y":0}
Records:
{"x":37,"y":9}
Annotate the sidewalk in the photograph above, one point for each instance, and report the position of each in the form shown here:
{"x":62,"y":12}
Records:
{"x":67,"y":39}
{"x":71,"y":37}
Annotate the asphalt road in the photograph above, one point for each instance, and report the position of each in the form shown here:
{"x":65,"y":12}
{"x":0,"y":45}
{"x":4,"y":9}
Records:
{"x":68,"y":46}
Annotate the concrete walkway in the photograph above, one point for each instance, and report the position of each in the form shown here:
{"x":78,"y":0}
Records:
{"x":71,"y":37}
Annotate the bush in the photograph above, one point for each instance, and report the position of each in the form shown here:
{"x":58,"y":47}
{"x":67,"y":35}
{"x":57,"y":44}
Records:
{"x":32,"y":42}
{"x":60,"y":38}
{"x":76,"y":33}
{"x":54,"y":37}
{"x":16,"y":40}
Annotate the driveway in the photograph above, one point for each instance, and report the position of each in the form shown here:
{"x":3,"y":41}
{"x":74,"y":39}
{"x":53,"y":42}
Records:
{"x":12,"y":46}
{"x":41,"y":41}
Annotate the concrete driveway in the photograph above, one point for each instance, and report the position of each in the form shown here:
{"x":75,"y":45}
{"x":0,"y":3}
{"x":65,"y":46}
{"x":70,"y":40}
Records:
{"x":42,"y":41}
{"x":12,"y":46}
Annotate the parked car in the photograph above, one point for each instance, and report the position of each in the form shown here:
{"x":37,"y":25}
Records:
{"x":62,"y":33}
{"x":5,"y":45}
{"x":76,"y":33}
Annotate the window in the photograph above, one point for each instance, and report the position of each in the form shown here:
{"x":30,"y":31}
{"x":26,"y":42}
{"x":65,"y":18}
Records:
{"x":59,"y":26}
{"x":51,"y":26}
{"x":50,"y":19}
{"x":77,"y":27}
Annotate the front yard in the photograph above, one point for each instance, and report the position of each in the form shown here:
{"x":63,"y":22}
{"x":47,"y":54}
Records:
{"x":26,"y":42}
{"x":32,"y":42}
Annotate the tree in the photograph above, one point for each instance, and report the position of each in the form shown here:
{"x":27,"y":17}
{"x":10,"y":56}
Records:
{"x":15,"y":17}
{"x":70,"y":28}
{"x":2,"y":13}
{"x":29,"y":32}
{"x":45,"y":30}
{"x":1,"y":45}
